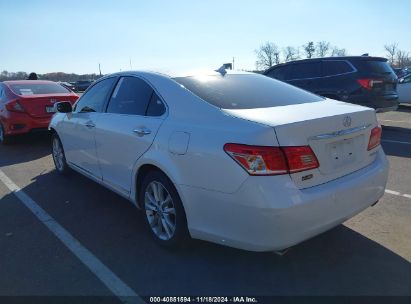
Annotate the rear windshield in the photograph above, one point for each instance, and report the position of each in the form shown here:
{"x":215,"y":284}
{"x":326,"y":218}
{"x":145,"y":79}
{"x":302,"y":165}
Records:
{"x":245,"y":91}
{"x":38,"y":88}
{"x":373,"y":66}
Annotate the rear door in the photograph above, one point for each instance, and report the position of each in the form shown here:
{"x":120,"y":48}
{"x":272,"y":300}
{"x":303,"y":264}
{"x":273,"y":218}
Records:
{"x":77,"y":131}
{"x":127,"y":130}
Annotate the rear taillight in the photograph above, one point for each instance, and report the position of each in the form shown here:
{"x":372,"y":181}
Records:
{"x":261,"y":160}
{"x":370,"y":83}
{"x":14,"y":106}
{"x":300,"y":158}
{"x":375,"y":138}
{"x":73,"y":99}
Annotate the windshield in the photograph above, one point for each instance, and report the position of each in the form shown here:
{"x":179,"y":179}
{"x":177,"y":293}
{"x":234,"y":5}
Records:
{"x":245,"y":91}
{"x":38,"y":88}
{"x":373,"y":66}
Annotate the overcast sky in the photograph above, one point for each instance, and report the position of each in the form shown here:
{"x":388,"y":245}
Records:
{"x":74,"y":36}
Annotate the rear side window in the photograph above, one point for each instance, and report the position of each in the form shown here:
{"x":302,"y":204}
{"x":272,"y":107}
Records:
{"x":373,"y":66}
{"x":95,"y":98}
{"x":38,"y":88}
{"x":336,"y":67}
{"x":303,"y":70}
{"x":245,"y":91}
{"x":131,"y":96}
{"x":156,"y":106}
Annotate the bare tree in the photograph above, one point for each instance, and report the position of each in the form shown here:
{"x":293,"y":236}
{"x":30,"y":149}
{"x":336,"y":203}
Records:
{"x":391,"y":50}
{"x":403,"y":59}
{"x":322,"y":48}
{"x":336,"y":52}
{"x":268,"y":54}
{"x":291,"y":53}
{"x":309,"y":49}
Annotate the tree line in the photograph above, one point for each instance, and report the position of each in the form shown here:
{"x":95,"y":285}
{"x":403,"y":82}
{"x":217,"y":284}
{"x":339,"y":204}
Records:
{"x":56,"y":76}
{"x":269,"y":54}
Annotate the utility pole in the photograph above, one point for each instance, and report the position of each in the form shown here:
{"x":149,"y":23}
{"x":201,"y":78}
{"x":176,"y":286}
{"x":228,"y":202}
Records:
{"x":233,"y":62}
{"x":131,"y":67}
{"x":99,"y":68}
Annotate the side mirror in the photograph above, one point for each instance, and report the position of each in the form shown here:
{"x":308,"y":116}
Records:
{"x":64,"y":107}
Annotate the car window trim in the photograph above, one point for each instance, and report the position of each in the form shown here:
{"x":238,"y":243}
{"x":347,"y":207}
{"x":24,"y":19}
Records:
{"x":354,"y":70}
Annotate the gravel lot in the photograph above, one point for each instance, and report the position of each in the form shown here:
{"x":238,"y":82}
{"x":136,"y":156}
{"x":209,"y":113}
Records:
{"x":368,"y":255}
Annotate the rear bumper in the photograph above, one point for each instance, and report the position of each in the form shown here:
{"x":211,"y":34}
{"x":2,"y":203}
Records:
{"x":21,"y":123}
{"x":270,"y":213}
{"x":382,"y":103}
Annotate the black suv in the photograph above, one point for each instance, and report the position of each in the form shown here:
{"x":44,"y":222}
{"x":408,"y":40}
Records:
{"x":363,"y":80}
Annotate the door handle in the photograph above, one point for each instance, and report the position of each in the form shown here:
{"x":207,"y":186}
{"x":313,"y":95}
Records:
{"x":142,"y":131}
{"x":90,"y":124}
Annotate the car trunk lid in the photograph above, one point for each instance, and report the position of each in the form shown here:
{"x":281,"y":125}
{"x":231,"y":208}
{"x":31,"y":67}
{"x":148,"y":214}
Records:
{"x":41,"y":106}
{"x":337,"y":132}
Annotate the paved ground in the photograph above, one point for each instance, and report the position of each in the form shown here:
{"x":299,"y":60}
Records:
{"x":368,"y":255}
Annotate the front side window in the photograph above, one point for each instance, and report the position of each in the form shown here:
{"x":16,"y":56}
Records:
{"x":94,"y":99}
{"x":131,"y":96}
{"x":245,"y":91}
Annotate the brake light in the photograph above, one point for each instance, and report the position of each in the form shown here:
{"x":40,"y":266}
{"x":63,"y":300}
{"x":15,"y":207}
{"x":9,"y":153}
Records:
{"x":261,"y":160}
{"x":300,"y":158}
{"x":375,"y":138}
{"x":370,"y":83}
{"x":14,"y":106}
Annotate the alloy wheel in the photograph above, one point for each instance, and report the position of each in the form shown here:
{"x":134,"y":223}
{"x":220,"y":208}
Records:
{"x":160,"y":210}
{"x":58,"y":154}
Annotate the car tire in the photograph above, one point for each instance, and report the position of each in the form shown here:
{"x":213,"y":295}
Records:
{"x":4,"y":139}
{"x":58,"y":155}
{"x":163,"y":210}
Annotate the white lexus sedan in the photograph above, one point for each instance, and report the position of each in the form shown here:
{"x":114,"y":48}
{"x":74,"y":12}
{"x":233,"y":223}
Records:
{"x":234,"y":158}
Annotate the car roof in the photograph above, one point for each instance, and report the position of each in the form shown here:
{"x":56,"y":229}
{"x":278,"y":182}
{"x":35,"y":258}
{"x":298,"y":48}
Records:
{"x":172,"y":74}
{"x":347,"y":58}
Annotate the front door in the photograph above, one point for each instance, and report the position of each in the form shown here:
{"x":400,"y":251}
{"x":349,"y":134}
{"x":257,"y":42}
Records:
{"x":77,"y":131}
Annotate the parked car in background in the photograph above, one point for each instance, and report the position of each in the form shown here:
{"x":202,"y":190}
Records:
{"x":67,"y":85}
{"x":82,"y":85}
{"x":399,"y":72}
{"x":404,"y":89}
{"x":27,"y":105}
{"x":363,"y":80}
{"x":235,"y":158}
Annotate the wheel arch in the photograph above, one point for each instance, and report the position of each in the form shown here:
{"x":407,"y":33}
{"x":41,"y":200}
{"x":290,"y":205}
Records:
{"x":146,"y":166}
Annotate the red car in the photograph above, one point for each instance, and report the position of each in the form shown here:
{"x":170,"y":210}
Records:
{"x":28,"y":105}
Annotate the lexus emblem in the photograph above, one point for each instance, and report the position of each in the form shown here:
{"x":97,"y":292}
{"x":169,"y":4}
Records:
{"x":347,"y":121}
